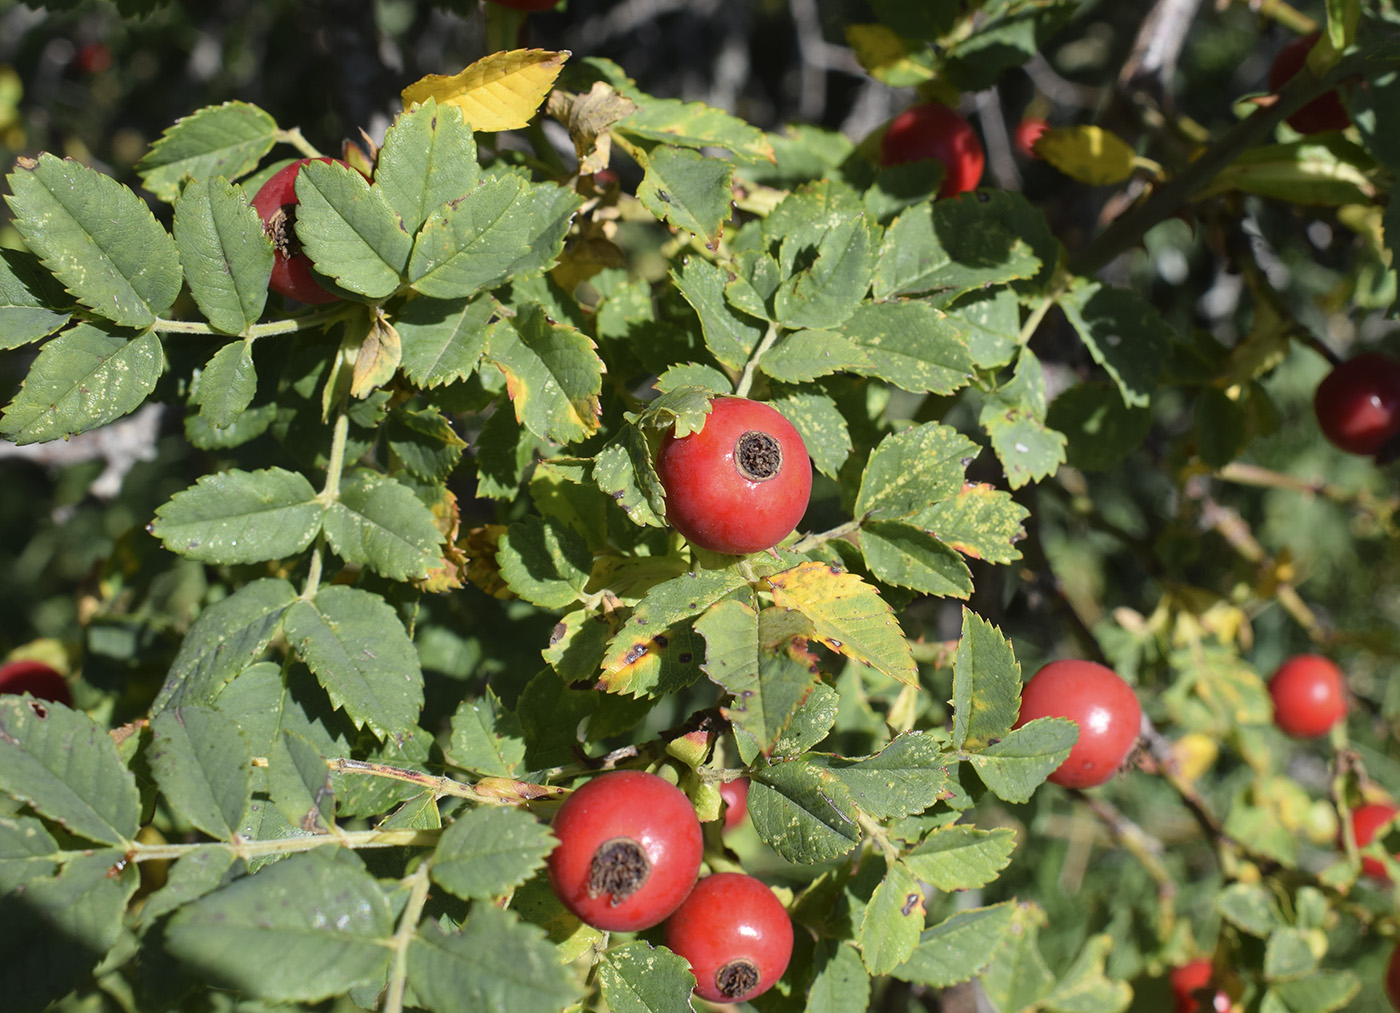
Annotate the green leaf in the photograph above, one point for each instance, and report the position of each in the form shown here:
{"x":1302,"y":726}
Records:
{"x":910,"y":557}
{"x":962,"y":858}
{"x":1323,"y":171}
{"x":637,"y":977}
{"x":225,"y":252}
{"x":625,"y":472}
{"x":1085,"y":988}
{"x":489,"y":850}
{"x":686,"y":189}
{"x":911,"y":345}
{"x":424,"y":443}
{"x":83,"y":379}
{"x":30,"y":298}
{"x":97,"y":237}
{"x":428,"y":158}
{"x":1014,"y":417}
{"x":979,"y":521}
{"x":66,"y":767}
{"x":1288,"y":954}
{"x":227,"y":140}
{"x":730,"y":338}
{"x":545,"y":562}
{"x":505,"y":228}
{"x":378,"y":522}
{"x":841,"y":983}
{"x":553,"y":374}
{"x":693,"y":124}
{"x":893,"y":920}
{"x":955,"y":246}
{"x":495,"y":964}
{"x":802,"y":810}
{"x":299,"y":782}
{"x":1250,"y":907}
{"x":226,"y":638}
{"x":990,"y":323}
{"x":198,"y":872}
{"x":960,"y":946}
{"x":1321,"y":992}
{"x":443,"y":339}
{"x":203,"y":767}
{"x":354,"y":642}
{"x":911,"y":469}
{"x":306,"y":928}
{"x":349,"y":230}
{"x":905,"y":777}
{"x":1014,"y":767}
{"x":822,"y":426}
{"x":1124,"y":333}
{"x":27,"y":852}
{"x":1100,"y":429}
{"x":826,"y":293}
{"x":807,"y":354}
{"x":505,"y":450}
{"x":55,"y":930}
{"x":241,"y":517}
{"x":226,"y":385}
{"x":986,"y":685}
{"x":550,"y":714}
{"x":848,"y":616}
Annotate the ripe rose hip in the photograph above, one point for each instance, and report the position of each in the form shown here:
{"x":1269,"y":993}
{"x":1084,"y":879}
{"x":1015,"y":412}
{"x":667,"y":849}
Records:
{"x":629,"y":850}
{"x":1027,"y":132}
{"x":1309,"y":694}
{"x":35,"y":678}
{"x":741,"y":483}
{"x":1358,"y":403}
{"x":1365,"y":821}
{"x":276,"y":202}
{"x":1103,"y":706}
{"x":1188,"y":980}
{"x":736,"y":935}
{"x":935,"y":131}
{"x":1325,"y":112}
{"x":736,"y":801}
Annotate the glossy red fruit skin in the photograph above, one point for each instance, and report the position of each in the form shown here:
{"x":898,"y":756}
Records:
{"x":1027,"y":132}
{"x":736,"y":801}
{"x":710,"y":499}
{"x":1358,"y":403}
{"x":1392,"y":978}
{"x":35,"y":678}
{"x":638,"y":806}
{"x":1325,"y":112}
{"x":1309,"y":694}
{"x":1365,"y":821}
{"x":1190,"y":978}
{"x":1103,"y":706}
{"x":933,"y":130}
{"x":291,"y":274}
{"x":731,"y":917}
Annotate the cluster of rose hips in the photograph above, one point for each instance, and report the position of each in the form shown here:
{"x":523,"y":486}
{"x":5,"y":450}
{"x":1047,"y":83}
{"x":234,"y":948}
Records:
{"x":628,"y":859}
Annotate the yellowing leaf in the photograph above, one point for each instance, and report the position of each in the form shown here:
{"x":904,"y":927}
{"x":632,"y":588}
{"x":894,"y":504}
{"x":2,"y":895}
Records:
{"x":1087,"y":153}
{"x":886,"y":56}
{"x":498,"y":92}
{"x":848,"y":615}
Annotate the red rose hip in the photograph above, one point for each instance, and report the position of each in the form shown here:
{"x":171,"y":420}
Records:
{"x":1190,"y":979}
{"x":735,"y":934}
{"x":35,"y":678}
{"x":736,"y":801}
{"x":275,"y":203}
{"x":1365,"y":821}
{"x":934,"y":131}
{"x":1358,"y":403}
{"x":629,"y":850}
{"x":1309,"y":694}
{"x":1027,"y":132}
{"x":741,"y":483}
{"x":1103,"y":706}
{"x":1325,"y":112}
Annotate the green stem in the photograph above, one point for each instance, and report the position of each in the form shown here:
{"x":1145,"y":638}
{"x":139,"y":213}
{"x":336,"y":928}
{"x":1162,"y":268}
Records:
{"x":331,"y":491}
{"x":817,"y":538}
{"x":408,"y":927}
{"x":751,"y":367}
{"x":295,"y":139}
{"x":286,"y":846}
{"x":1129,"y":229}
{"x":286,"y":325}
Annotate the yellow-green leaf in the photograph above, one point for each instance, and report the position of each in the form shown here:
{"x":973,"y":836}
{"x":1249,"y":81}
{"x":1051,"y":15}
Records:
{"x":1087,"y":153}
{"x":848,"y":615}
{"x":498,"y":92}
